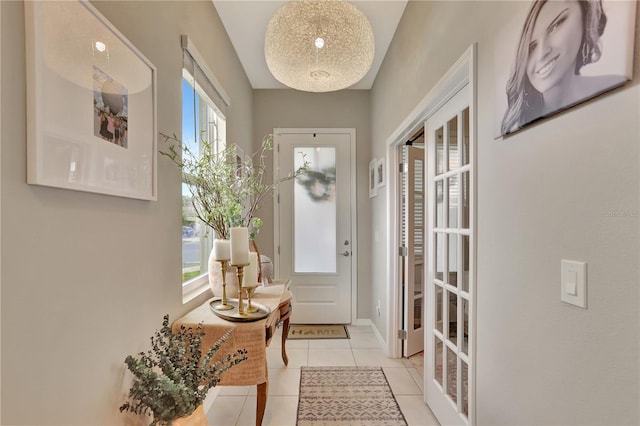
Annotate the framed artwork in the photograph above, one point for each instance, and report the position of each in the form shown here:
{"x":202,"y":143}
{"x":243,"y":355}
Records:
{"x":91,"y":104}
{"x":373,"y":180}
{"x":240,"y":159}
{"x":555,"y":55}
{"x":380,"y":173}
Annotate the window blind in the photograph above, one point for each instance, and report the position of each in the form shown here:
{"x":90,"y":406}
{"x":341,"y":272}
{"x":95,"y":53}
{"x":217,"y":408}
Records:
{"x":204,"y":79}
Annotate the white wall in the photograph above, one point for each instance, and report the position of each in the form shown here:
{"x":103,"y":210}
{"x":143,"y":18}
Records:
{"x":86,"y":277}
{"x":543,"y":195}
{"x":345,"y":108}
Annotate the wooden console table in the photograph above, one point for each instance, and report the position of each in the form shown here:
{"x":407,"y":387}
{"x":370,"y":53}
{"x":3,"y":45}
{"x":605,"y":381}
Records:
{"x":253,"y":336}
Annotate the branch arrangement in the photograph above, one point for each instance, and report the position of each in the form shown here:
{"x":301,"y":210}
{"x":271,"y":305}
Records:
{"x":227,"y":191}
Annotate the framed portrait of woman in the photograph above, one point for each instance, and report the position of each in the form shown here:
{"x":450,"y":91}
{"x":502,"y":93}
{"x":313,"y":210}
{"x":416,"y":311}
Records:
{"x":558,"y":54}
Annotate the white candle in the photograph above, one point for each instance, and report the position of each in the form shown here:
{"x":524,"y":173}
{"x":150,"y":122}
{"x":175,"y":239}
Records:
{"x":239,"y":246}
{"x":221,"y":250}
{"x":251,"y":271}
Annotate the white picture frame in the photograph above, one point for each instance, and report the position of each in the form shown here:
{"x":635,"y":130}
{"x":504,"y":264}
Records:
{"x":380,"y":173}
{"x":373,"y":180}
{"x":91,"y":104}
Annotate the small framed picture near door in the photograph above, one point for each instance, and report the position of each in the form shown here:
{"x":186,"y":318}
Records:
{"x":380,"y":173}
{"x":373,"y":179}
{"x":555,"y":55}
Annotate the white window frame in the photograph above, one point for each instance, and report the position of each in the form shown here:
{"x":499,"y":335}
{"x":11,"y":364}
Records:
{"x":213,"y":120}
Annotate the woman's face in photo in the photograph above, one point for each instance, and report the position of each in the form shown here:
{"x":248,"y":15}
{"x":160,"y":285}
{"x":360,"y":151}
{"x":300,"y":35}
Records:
{"x":556,"y":38}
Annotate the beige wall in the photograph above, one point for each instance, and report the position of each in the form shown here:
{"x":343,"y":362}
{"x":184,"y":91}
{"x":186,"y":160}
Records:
{"x":543,"y":195}
{"x":347,"y":108}
{"x":86,"y":277}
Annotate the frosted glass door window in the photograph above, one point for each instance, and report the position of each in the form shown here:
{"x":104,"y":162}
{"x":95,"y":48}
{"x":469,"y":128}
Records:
{"x":314,"y":205}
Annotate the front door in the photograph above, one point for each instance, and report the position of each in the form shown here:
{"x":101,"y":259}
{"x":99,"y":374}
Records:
{"x":314,"y":241}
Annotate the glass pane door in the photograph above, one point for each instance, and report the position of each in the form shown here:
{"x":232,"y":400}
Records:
{"x":449,"y":358}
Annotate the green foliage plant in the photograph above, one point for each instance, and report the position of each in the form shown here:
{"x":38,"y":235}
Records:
{"x":227,"y":191}
{"x":172,"y":379}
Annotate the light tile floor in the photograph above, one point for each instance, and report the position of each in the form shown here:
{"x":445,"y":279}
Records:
{"x":236,"y":405}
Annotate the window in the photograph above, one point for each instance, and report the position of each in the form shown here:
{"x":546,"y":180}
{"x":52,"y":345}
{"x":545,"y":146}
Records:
{"x":203,"y":107}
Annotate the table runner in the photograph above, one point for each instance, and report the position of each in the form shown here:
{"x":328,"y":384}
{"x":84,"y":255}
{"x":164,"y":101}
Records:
{"x":246,"y":335}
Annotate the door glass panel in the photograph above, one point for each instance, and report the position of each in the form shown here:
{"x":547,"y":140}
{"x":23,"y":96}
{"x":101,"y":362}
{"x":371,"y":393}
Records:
{"x":438,"y":370}
{"x":465,"y":326}
{"x":453,"y":317}
{"x":452,"y":126}
{"x":418,"y":281}
{"x":465,"y":388}
{"x":439,"y":151}
{"x":439,"y":204}
{"x":314,"y":205}
{"x":439,"y":308}
{"x":440,"y":256}
{"x":453,"y":201}
{"x":452,"y":374}
{"x":417,"y":313}
{"x":465,"y":137}
{"x":465,"y":263}
{"x":465,"y":200}
{"x":452,"y":277}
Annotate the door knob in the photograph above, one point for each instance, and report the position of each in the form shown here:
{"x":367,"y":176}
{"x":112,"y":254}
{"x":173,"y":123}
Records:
{"x":346,"y":253}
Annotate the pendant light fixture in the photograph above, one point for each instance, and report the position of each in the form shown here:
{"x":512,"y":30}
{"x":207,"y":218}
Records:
{"x":319,"y":45}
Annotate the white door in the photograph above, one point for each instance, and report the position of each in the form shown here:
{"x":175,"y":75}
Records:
{"x":449,"y":359}
{"x":314,"y":220}
{"x":413,"y":235}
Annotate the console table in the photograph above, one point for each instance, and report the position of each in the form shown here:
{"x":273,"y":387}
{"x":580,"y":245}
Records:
{"x":253,"y":336}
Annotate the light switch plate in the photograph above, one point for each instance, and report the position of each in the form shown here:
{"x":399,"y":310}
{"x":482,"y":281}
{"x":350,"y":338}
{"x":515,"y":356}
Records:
{"x":573,"y":282}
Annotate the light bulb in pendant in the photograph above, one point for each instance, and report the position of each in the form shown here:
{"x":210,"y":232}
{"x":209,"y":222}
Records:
{"x":319,"y":42}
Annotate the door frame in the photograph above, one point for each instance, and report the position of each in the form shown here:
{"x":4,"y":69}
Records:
{"x":463,"y":72}
{"x":354,"y":209}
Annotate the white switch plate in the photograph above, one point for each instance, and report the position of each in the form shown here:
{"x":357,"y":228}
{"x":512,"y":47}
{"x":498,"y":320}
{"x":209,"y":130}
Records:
{"x":573,"y":282}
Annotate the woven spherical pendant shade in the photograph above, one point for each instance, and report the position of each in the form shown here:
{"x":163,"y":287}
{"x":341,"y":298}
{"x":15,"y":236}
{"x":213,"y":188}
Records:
{"x":319,"y":46}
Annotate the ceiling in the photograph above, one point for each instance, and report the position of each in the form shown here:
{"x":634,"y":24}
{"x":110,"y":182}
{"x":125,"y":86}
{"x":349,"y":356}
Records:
{"x":246,"y":23}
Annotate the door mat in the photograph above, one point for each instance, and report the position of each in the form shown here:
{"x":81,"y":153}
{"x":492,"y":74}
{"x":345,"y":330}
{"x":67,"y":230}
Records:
{"x":317,"y":331}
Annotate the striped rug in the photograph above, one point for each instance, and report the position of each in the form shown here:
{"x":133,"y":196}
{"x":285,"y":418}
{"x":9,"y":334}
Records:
{"x":341,"y":396}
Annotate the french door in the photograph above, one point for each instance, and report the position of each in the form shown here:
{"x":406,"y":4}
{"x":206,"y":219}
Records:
{"x":449,"y":359}
{"x":314,"y":238}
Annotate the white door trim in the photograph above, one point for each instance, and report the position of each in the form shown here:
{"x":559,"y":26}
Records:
{"x":354,"y":210}
{"x":463,"y":72}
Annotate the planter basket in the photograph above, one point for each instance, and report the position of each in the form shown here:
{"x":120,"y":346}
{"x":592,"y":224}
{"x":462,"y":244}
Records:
{"x":197,"y":418}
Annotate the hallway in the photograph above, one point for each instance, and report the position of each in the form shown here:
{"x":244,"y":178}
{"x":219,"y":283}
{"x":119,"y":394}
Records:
{"x":237,"y":405}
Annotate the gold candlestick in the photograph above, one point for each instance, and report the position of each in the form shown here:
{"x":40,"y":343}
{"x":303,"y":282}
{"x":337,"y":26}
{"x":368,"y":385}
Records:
{"x":250,"y":308}
{"x":240,"y":272}
{"x":224,"y":306}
